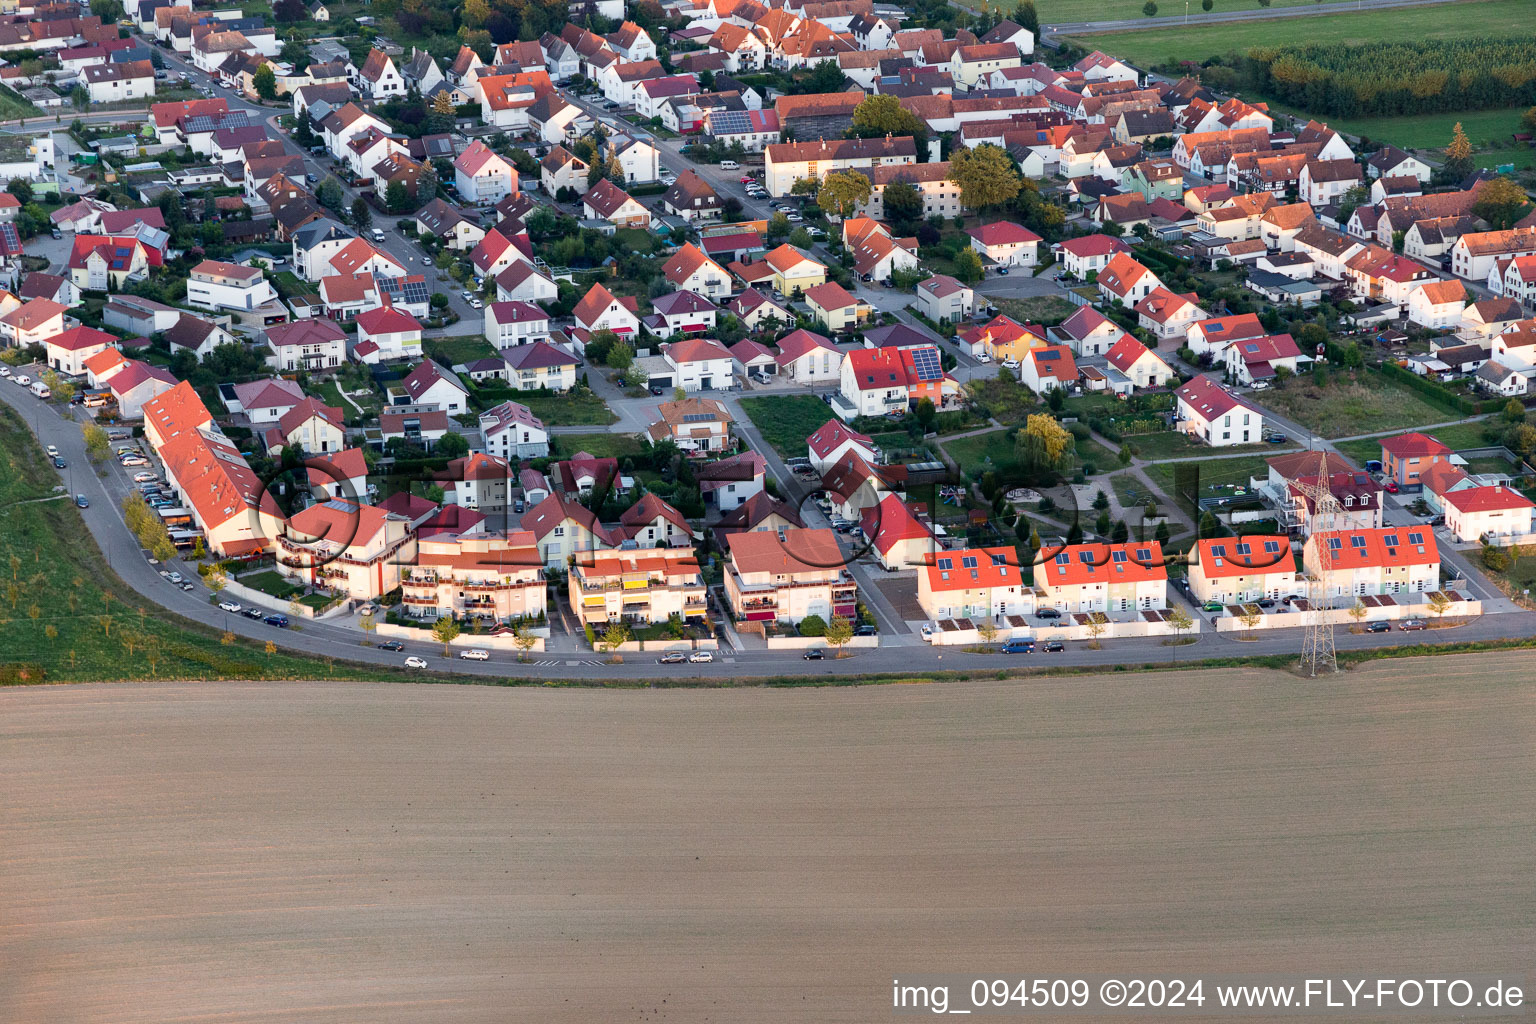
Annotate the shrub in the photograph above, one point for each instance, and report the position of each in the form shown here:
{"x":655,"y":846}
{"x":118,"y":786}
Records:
{"x":813,"y":625}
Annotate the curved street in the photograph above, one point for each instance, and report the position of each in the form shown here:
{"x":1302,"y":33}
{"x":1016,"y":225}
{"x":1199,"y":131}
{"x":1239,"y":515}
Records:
{"x":325,"y":640}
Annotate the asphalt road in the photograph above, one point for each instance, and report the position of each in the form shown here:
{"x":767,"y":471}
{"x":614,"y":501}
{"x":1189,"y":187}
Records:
{"x":1201,"y":17}
{"x":104,"y":520}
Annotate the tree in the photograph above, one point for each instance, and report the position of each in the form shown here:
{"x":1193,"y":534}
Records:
{"x":1206,"y":5}
{"x":1250,"y":619}
{"x":1494,"y":559}
{"x":1439,"y":603}
{"x":986,"y":176}
{"x":825,"y":77}
{"x":1101,"y":500}
{"x":397,"y":198}
{"x":1458,"y":155}
{"x":265,"y":82}
{"x":615,"y":636}
{"x":524,"y":641}
{"x":97,"y":445}
{"x":1514,"y":411}
{"x":330,"y":195}
{"x":362,"y":213}
{"x":1528,"y":120}
{"x":1501,"y":202}
{"x":968,"y":266}
{"x":1179,"y":619}
{"x":1357,"y":613}
{"x":453,"y":445}
{"x":903,"y":203}
{"x":1025,"y":16}
{"x":21,"y":188}
{"x":882,"y":115}
{"x":813,"y":625}
{"x":986,"y":631}
{"x":621,"y":356}
{"x":805,"y":187}
{"x":1149,"y":9}
{"x":445,"y":630}
{"x":839,"y":632}
{"x":1097,"y":625}
{"x":778,"y":226}
{"x":1045,"y":443}
{"x":216,"y":582}
{"x":800,"y":238}
{"x":443,"y":112}
{"x":842,"y":192}
{"x":927,"y":414}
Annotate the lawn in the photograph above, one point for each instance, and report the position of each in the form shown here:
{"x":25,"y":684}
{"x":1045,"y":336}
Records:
{"x":1457,"y":436}
{"x":785,"y":421}
{"x":981,"y":452}
{"x":1049,"y":310}
{"x":1366,"y":404}
{"x":1488,"y":130}
{"x":1090,"y":452}
{"x":1175,"y":444}
{"x":1055,"y":12}
{"x":1218,"y":476}
{"x":572,"y":409}
{"x":458,"y":349}
{"x":102,"y":630}
{"x":271,"y":582}
{"x":602,"y":446}
{"x":1197,"y":42}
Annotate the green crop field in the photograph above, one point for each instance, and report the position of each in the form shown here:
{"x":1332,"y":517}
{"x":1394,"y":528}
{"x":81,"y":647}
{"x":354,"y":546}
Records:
{"x":1197,"y":42}
{"x":1056,"y":12}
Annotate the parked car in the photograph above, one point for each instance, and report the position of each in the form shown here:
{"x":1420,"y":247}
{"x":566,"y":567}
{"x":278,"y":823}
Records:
{"x":1047,"y":613}
{"x":186,"y":586}
{"x":672,"y":658}
{"x":230,"y":606}
{"x":280,"y":621}
{"x":1212,"y":606}
{"x":174,"y":577}
{"x":1019,"y":647}
{"x":391,"y":645}
{"x":59,"y":463}
{"x":414,"y":662}
{"x":253,"y":613}
{"x":814,"y":654}
{"x":53,"y":452}
{"x":22,"y":379}
{"x":426,"y":261}
{"x":475,"y":654}
{"x":143,"y":478}
{"x":701,"y":657}
{"x":866,"y":631}
{"x":81,"y":501}
{"x":1002,"y":271}
{"x":1267,"y":602}
{"x":1379,"y":627}
{"x":1276,"y":438}
{"x":1413,"y":624}
{"x":1053,"y":647}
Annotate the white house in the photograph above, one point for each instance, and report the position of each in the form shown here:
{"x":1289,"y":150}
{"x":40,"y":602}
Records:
{"x":216,"y":285}
{"x":700,"y":364}
{"x":379,"y":79}
{"x":1006,"y":244}
{"x":806,"y":357}
{"x":387,"y":333}
{"x":1212,"y":413}
{"x":430,"y":385}
{"x":483,"y":175}
{"x":1437,"y":304}
{"x":1141,"y":365}
{"x":513,"y":432}
{"x":509,"y":324}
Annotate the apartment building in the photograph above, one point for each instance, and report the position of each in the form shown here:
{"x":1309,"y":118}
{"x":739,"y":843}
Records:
{"x":784,"y":577}
{"x":641,"y":586}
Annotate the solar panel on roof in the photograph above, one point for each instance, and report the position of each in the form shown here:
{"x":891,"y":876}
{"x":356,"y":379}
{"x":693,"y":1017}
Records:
{"x":729,"y":122}
{"x":926,"y":362}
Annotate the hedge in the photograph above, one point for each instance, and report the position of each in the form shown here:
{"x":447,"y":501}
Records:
{"x":1434,"y":393}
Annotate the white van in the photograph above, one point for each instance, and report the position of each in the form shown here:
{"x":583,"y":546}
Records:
{"x":729,"y":165}
{"x":378,"y":235}
{"x":40,"y":389}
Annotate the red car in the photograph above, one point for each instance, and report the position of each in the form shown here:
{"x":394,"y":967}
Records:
{"x":1391,"y":486}
{"x":746,"y":179}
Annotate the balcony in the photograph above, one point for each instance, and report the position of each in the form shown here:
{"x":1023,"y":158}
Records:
{"x":427,"y":601}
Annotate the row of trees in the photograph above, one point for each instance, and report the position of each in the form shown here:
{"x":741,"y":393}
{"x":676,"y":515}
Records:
{"x":1342,"y":80}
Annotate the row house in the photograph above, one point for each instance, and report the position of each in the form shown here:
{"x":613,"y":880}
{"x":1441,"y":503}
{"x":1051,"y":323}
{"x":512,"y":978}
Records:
{"x":985,"y":584}
{"x":1244,"y":569}
{"x":789,"y":162}
{"x":1368,"y":563}
{"x":1086,"y":578}
{"x":1474,"y":255}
